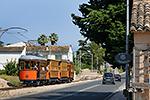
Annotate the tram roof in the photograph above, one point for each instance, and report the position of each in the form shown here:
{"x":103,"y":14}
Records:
{"x":32,"y":57}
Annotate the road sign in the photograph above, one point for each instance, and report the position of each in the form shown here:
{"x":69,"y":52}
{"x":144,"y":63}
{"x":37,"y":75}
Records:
{"x":123,"y":58}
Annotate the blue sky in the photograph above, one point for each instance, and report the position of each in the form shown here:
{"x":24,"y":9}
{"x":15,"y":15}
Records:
{"x":40,"y":17}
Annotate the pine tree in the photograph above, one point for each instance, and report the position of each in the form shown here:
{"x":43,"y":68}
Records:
{"x":104,"y":22}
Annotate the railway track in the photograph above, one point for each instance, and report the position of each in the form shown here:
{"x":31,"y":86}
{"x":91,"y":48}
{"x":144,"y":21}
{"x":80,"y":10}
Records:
{"x":20,"y":87}
{"x":13,"y":88}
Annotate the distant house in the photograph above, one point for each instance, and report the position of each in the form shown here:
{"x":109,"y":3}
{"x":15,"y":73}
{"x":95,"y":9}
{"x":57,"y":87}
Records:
{"x":54,"y":52}
{"x":14,"y":51}
{"x":11,"y":52}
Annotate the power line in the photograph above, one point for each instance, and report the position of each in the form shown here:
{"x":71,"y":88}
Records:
{"x":23,"y":36}
{"x":18,"y":33}
{"x":13,"y":36}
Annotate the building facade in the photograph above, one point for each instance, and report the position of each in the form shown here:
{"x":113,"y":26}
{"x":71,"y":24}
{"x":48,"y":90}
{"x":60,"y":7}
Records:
{"x":14,"y":51}
{"x":140,"y":26}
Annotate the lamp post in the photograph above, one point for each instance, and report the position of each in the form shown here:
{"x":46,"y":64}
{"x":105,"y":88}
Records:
{"x":5,"y":30}
{"x":82,"y":55}
{"x":91,"y":60}
{"x":97,"y":64}
{"x":127,"y":42}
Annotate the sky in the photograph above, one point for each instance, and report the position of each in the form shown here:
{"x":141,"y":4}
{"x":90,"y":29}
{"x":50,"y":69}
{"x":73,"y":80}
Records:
{"x":40,"y":17}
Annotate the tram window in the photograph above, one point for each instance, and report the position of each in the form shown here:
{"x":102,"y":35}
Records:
{"x":27,"y":65}
{"x":68,"y":67}
{"x":33,"y":64}
{"x":21,"y":65}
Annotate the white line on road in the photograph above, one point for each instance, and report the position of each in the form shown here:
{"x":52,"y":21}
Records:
{"x":75,"y":92}
{"x":114,"y":92}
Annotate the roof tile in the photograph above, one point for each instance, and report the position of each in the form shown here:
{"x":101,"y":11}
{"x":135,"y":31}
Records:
{"x":47,"y":48}
{"x":11,"y":49}
{"x":140,"y":19}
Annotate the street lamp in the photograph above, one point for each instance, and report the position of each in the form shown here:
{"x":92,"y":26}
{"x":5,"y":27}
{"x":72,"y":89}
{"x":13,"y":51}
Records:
{"x":91,"y":59}
{"x":4,"y":30}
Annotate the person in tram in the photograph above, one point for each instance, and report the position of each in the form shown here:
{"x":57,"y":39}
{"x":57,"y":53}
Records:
{"x":47,"y":67}
{"x":36,"y":66}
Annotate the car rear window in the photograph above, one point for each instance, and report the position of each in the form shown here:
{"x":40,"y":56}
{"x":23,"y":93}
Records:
{"x":108,"y":74}
{"x":117,"y":75}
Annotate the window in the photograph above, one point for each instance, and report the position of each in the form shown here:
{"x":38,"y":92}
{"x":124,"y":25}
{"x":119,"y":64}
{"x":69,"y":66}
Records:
{"x":27,"y":65}
{"x":58,"y":57}
{"x":21,"y":65}
{"x":33,"y":64}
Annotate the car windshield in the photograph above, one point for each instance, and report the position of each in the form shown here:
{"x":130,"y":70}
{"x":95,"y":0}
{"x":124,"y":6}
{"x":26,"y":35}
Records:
{"x":108,"y":74}
{"x":117,"y":75}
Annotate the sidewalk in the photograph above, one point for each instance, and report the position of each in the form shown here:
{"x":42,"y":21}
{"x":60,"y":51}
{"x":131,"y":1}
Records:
{"x":118,"y":96}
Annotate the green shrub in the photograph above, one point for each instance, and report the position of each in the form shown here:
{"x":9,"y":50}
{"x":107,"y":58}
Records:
{"x":120,"y":70}
{"x":14,"y":80}
{"x":15,"y":83}
{"x":105,"y":69}
{"x":78,"y":70}
{"x":2,"y":72}
{"x":5,"y":77}
{"x":11,"y":68}
{"x":101,"y":72}
{"x":84,"y":66}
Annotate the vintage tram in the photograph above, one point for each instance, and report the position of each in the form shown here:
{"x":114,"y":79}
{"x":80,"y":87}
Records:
{"x":37,"y":70}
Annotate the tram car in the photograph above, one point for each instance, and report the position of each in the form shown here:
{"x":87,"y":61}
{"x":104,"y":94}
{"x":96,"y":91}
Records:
{"x":37,"y":70}
{"x":32,"y":70}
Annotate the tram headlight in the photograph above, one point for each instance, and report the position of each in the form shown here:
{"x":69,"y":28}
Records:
{"x":27,"y":76}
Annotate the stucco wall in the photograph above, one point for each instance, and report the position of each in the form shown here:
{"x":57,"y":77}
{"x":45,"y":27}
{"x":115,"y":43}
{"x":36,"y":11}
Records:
{"x":142,"y":38}
{"x":15,"y":55}
{"x":70,"y":54}
{"x":65,"y":55}
{"x":8,"y":55}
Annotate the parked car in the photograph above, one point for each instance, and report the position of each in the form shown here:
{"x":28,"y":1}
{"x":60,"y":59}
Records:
{"x":108,"y":78}
{"x":118,"y":77}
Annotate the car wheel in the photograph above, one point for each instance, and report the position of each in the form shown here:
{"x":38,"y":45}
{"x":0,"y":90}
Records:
{"x":113,"y":83}
{"x":103,"y":83}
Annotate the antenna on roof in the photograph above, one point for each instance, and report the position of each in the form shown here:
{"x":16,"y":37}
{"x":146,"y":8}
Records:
{"x":32,"y":47}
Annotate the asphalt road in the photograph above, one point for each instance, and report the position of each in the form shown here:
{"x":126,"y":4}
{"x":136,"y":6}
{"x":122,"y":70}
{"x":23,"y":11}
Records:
{"x":91,"y":90}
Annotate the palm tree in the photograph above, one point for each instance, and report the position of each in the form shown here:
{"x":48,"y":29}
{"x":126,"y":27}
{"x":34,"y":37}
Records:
{"x":42,"y":39}
{"x":1,"y":43}
{"x":53,"y":38}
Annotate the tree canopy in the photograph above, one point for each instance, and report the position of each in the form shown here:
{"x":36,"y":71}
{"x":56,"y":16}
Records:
{"x":1,"y":43}
{"x":91,"y":48}
{"x":53,"y":38}
{"x":104,"y":22}
{"x":42,"y":39}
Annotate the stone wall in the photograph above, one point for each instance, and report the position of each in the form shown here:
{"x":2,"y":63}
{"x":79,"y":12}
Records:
{"x":141,"y":69}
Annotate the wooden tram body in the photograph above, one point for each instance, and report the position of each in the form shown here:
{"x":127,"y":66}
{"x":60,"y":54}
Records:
{"x":28,"y":73}
{"x":48,"y":70}
{"x":71,"y":71}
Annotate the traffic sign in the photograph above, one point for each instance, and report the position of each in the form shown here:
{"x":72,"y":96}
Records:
{"x":123,"y":58}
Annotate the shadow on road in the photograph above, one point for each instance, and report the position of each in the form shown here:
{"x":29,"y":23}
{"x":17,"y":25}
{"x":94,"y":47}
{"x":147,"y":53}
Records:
{"x":71,"y":96}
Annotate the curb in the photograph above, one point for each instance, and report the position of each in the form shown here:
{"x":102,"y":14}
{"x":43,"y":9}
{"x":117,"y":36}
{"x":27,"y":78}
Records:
{"x":115,"y":92}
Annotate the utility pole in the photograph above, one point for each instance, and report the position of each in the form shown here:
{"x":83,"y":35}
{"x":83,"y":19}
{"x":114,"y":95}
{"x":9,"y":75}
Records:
{"x":97,"y":63}
{"x":127,"y":48}
{"x":127,"y":36}
{"x":80,"y":61}
{"x":92,"y":63}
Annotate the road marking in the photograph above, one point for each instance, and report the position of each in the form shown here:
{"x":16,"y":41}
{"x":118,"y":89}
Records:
{"x":75,"y":92}
{"x":114,"y":92}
